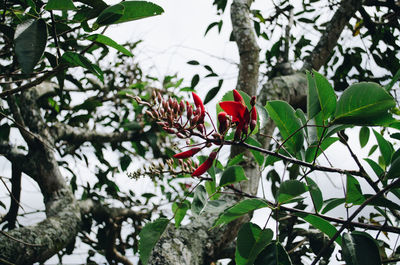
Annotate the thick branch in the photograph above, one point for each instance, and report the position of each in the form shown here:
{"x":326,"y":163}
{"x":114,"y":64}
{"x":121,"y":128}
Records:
{"x":63,"y":132}
{"x":329,"y":38}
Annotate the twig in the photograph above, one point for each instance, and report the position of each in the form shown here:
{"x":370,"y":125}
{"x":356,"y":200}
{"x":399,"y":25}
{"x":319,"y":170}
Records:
{"x":356,"y":212}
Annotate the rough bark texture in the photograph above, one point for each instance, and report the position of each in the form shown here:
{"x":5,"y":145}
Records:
{"x":27,"y":245}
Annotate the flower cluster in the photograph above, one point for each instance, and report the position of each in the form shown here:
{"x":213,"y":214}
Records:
{"x":185,"y":122}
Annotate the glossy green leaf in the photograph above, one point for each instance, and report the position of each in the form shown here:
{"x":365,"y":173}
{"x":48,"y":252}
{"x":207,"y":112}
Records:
{"x":60,"y":5}
{"x":75,"y":59}
{"x":373,"y":149}
{"x":235,"y":160}
{"x":287,"y":122}
{"x":354,"y":193}
{"x":239,"y":209}
{"x":109,"y":42}
{"x":364,"y":136}
{"x":273,"y":254}
{"x":394,"y":170}
{"x":375,"y":167}
{"x":312,"y":149}
{"x":360,"y":249}
{"x":231,"y":175}
{"x":324,"y":226}
{"x":290,"y":189}
{"x":258,"y":156}
{"x":364,"y":104}
{"x":211,"y":94}
{"x":385,"y":147}
{"x":211,"y":189}
{"x":149,"y":236}
{"x":316,"y":194}
{"x":128,"y":11}
{"x":395,"y":78}
{"x":321,"y":96}
{"x":199,"y":200}
{"x":179,"y":210}
{"x":332,"y":204}
{"x":110,"y":15}
{"x":251,"y":240}
{"x":30,"y":41}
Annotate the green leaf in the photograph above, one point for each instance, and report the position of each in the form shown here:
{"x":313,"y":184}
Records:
{"x":199,"y":200}
{"x":364,"y":104}
{"x":353,"y":191}
{"x":30,"y":41}
{"x":251,"y":240}
{"x":179,"y":210}
{"x":149,"y":236}
{"x":193,"y":62}
{"x":394,"y":170}
{"x":211,"y":94}
{"x":195,"y":81}
{"x":238,"y":210}
{"x":373,"y":149}
{"x":290,"y":189}
{"x":375,"y":167}
{"x":288,"y":124}
{"x":322,"y":225}
{"x":109,"y":42}
{"x":321,"y":96}
{"x":385,"y":147}
{"x":139,"y":9}
{"x":258,"y":156}
{"x":360,"y":249}
{"x":235,"y":160}
{"x":231,"y":175}
{"x":311,"y":150}
{"x":332,"y":203}
{"x":382,"y":202}
{"x":125,"y":161}
{"x":273,"y":254}
{"x":211,"y":190}
{"x":60,"y":5}
{"x":110,"y":15}
{"x":393,"y":81}
{"x":128,"y":11}
{"x":364,"y":136}
{"x":4,"y":132}
{"x":316,"y":194}
{"x":75,"y":59}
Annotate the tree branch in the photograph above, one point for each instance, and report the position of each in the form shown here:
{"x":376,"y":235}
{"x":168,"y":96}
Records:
{"x":329,"y":38}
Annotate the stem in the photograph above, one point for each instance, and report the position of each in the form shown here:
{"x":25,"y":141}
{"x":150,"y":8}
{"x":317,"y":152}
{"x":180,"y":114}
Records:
{"x":357,"y":211}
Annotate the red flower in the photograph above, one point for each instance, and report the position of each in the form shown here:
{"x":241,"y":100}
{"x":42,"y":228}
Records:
{"x":188,"y":153}
{"x":223,"y":122}
{"x":206,"y":165}
{"x":240,"y":114}
{"x":234,"y":109}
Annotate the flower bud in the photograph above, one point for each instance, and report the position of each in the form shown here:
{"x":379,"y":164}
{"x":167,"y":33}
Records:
{"x":253,"y":121}
{"x":253,"y":101}
{"x":188,"y":153}
{"x":150,"y":114}
{"x":223,"y":122}
{"x":200,"y":128}
{"x":206,"y":165}
{"x":169,"y":130}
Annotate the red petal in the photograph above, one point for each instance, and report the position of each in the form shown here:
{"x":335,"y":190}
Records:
{"x":198,"y":102}
{"x":206,"y":165}
{"x":188,"y":153}
{"x":222,"y":117}
{"x":234,"y":109}
{"x":238,"y":97}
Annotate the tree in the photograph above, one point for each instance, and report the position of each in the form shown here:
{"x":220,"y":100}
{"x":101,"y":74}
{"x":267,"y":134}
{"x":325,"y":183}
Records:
{"x":37,"y":100}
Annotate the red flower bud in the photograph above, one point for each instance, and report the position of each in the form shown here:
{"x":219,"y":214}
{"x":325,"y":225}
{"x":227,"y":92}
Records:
{"x":206,"y":165}
{"x":189,"y":112}
{"x":238,"y":97}
{"x":253,"y":100}
{"x":188,"y":153}
{"x":198,"y":102}
{"x":253,"y":121}
{"x":223,"y":122}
